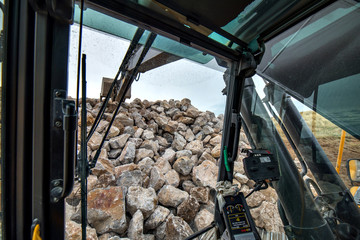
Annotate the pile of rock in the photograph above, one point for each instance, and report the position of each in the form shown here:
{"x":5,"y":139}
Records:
{"x":156,"y":174}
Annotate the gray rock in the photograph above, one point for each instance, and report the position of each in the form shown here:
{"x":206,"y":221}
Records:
{"x":205,"y":174}
{"x":157,"y":178}
{"x":192,"y":112}
{"x":189,"y":136}
{"x":143,"y":153}
{"x":73,"y":231}
{"x":160,"y":231}
{"x":136,"y":141}
{"x":172,"y":178}
{"x":203,"y":219}
{"x":136,"y":226}
{"x":196,"y":147}
{"x":129,"y":130}
{"x":151,"y":145}
{"x":162,"y":141}
{"x":138,"y":133}
{"x":208,"y":130}
{"x":128,"y":153}
{"x":183,"y":165}
{"x":196,"y":129}
{"x":161,"y":120}
{"x":171,"y":196}
{"x":139,"y":121}
{"x":188,"y":209}
{"x":114,"y":153}
{"x":177,"y":228}
{"x":119,"y":142}
{"x":125,"y":120}
{"x":146,"y":165}
{"x":130,"y":178}
{"x":183,"y":153}
{"x":148,"y":135}
{"x":143,"y":199}
{"x":179,"y":142}
{"x":201,"y":121}
{"x":169,"y":155}
{"x":102,"y":126}
{"x":157,"y":217}
{"x":163,"y":165}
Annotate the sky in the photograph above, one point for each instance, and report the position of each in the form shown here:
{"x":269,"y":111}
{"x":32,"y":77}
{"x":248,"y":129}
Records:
{"x":176,"y":80}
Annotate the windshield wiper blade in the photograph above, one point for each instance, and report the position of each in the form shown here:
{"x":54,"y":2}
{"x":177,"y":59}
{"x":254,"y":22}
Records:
{"x":124,"y":65}
{"x":124,"y":88}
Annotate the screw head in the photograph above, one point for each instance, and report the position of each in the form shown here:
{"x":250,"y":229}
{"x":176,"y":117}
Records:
{"x":58,"y":124}
{"x":57,"y":93}
{"x":56,"y":183}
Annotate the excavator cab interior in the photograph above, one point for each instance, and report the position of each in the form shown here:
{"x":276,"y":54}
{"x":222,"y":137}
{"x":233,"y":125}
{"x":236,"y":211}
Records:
{"x":291,"y":70}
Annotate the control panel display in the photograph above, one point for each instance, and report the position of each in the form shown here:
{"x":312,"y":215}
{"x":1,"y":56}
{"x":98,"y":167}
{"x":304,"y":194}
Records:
{"x":237,"y":217}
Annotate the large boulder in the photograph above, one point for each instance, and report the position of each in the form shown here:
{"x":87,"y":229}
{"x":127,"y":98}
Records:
{"x":106,"y":210}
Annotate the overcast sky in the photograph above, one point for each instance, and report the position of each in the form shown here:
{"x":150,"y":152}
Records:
{"x":177,"y":80}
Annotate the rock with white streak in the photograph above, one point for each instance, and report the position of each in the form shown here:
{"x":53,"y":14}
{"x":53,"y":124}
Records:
{"x":179,"y":142}
{"x":128,"y":153}
{"x":172,"y":178}
{"x":143,"y":199}
{"x":184,"y":165}
{"x":157,"y":217}
{"x":157,"y":178}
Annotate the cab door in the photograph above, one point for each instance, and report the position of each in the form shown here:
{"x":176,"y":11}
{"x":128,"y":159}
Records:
{"x":34,"y":84}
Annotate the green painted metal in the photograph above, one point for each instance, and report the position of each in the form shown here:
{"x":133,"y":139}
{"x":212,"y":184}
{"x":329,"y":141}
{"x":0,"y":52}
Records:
{"x":101,"y":22}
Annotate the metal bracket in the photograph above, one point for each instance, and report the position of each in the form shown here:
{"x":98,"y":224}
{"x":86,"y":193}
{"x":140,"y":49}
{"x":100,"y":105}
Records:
{"x":63,"y":10}
{"x":247,"y":65}
{"x":65,"y":122}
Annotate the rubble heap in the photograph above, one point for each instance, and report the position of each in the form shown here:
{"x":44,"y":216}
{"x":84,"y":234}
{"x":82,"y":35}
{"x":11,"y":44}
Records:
{"x":156,"y":174}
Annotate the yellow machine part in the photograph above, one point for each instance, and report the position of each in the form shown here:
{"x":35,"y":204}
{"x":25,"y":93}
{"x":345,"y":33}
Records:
{"x":36,"y":233}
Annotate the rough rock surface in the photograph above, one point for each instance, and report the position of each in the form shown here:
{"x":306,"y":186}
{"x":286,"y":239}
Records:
{"x":161,"y":157}
{"x":177,"y":228}
{"x":171,"y":196}
{"x":143,"y":199}
{"x":73,"y":232}
{"x":106,"y":210}
{"x":205,"y":174}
